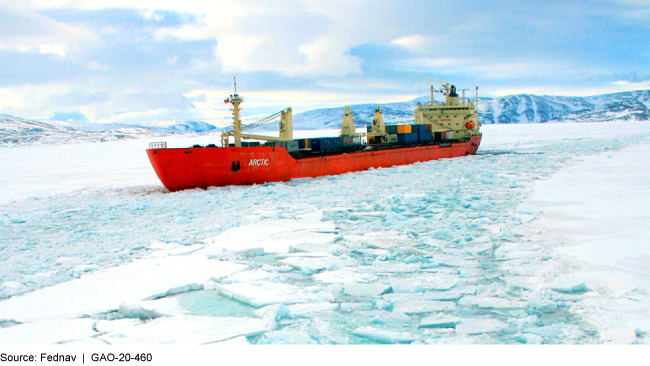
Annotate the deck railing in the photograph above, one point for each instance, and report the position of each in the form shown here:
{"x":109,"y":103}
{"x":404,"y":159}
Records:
{"x":157,"y":145}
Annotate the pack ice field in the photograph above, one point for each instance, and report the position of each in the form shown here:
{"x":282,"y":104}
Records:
{"x":456,"y":251}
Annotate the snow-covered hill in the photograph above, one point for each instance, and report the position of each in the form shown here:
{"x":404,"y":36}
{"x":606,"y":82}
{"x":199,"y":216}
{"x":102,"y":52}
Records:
{"x":18,"y":131}
{"x":523,"y":108}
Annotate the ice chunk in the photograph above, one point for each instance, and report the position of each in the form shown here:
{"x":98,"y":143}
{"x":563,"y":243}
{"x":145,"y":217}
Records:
{"x":544,"y":306}
{"x":78,"y":270}
{"x":314,"y":265}
{"x":136,"y":312}
{"x":162,"y":249}
{"x":498,"y":303}
{"x":392,"y":317}
{"x":124,"y":284}
{"x":311,"y":309}
{"x":384,"y":336}
{"x":236,"y":342}
{"x":106,"y":326}
{"x":263,"y":294}
{"x":439,"y":332}
{"x":187,"y":329}
{"x":286,"y":337}
{"x":423,"y":306}
{"x":400,"y":286}
{"x":526,"y":322}
{"x":548,"y":331}
{"x":274,"y":236}
{"x":48,"y":332}
{"x":446,"y":284}
{"x":523,"y":282}
{"x":273,"y":312}
{"x":383,"y":305}
{"x":177,"y":290}
{"x":345,"y":275}
{"x":473,"y":326}
{"x":246,"y":276}
{"x":479,"y":249}
{"x":438,"y":321}
{"x":468,"y":301}
{"x":347,"y":307}
{"x":530,"y":339}
{"x":365,"y":290}
{"x":571,"y":288}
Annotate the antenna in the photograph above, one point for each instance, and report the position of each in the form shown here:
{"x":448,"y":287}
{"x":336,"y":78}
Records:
{"x":234,"y":78}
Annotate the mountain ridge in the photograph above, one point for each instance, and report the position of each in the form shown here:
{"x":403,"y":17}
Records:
{"x":511,"y":109}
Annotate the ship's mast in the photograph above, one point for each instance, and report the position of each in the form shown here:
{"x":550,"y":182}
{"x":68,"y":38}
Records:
{"x":431,"y":94}
{"x":236,"y":100}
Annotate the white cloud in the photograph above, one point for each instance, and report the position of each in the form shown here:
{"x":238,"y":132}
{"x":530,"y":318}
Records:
{"x":33,"y":32}
{"x":150,"y":14}
{"x":415,"y":42}
{"x":96,"y":66}
{"x":57,"y":49}
{"x":327,"y":57}
{"x":185,"y":33}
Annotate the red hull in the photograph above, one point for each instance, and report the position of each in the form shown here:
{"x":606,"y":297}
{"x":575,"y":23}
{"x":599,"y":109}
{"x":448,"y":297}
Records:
{"x":213,"y":167}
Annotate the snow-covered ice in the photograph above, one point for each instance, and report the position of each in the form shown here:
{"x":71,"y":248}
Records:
{"x":540,"y":238}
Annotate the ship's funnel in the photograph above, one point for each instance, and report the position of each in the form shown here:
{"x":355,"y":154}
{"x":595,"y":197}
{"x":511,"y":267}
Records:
{"x":452,"y":96}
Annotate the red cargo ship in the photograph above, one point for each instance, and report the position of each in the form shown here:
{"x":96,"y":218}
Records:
{"x":451,"y":130}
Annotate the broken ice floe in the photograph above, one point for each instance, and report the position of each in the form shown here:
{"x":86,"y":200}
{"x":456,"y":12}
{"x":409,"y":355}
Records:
{"x":384,"y":336}
{"x":274,"y":236}
{"x":262,"y":294}
{"x":46,"y":332}
{"x":420,"y":247}
{"x":131,"y":283}
{"x":439,"y":320}
{"x":186,"y":329}
{"x":286,"y":337}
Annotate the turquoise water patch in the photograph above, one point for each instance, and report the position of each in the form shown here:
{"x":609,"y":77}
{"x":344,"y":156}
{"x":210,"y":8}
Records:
{"x":210,"y":303}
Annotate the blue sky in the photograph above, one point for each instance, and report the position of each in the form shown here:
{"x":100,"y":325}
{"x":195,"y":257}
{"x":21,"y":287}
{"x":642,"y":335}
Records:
{"x":157,"y":62}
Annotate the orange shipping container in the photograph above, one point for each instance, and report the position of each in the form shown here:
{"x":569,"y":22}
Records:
{"x":404,"y":129}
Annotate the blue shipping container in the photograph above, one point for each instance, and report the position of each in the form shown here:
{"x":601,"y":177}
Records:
{"x":316,"y":144}
{"x":425,"y":136}
{"x":418,"y":128}
{"x":335,"y":142}
{"x":407,"y":138}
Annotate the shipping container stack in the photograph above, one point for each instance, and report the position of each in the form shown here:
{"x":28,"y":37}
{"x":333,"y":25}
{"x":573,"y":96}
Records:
{"x":320,"y":143}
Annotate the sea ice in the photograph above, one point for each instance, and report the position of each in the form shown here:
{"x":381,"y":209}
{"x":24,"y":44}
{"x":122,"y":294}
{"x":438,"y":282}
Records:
{"x":473,"y":326}
{"x":312,"y":309}
{"x":273,"y":312}
{"x":384,"y":336}
{"x":365,"y":290}
{"x":130,"y":284}
{"x":310,"y":266}
{"x":286,"y":337}
{"x":265,"y":293}
{"x":576,"y":288}
{"x":187,"y":329}
{"x":45,"y":332}
{"x":530,"y":339}
{"x":274,"y":236}
{"x":498,"y":303}
{"x":438,"y":321}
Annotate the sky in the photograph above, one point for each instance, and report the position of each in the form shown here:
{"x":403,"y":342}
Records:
{"x":159,"y":62}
